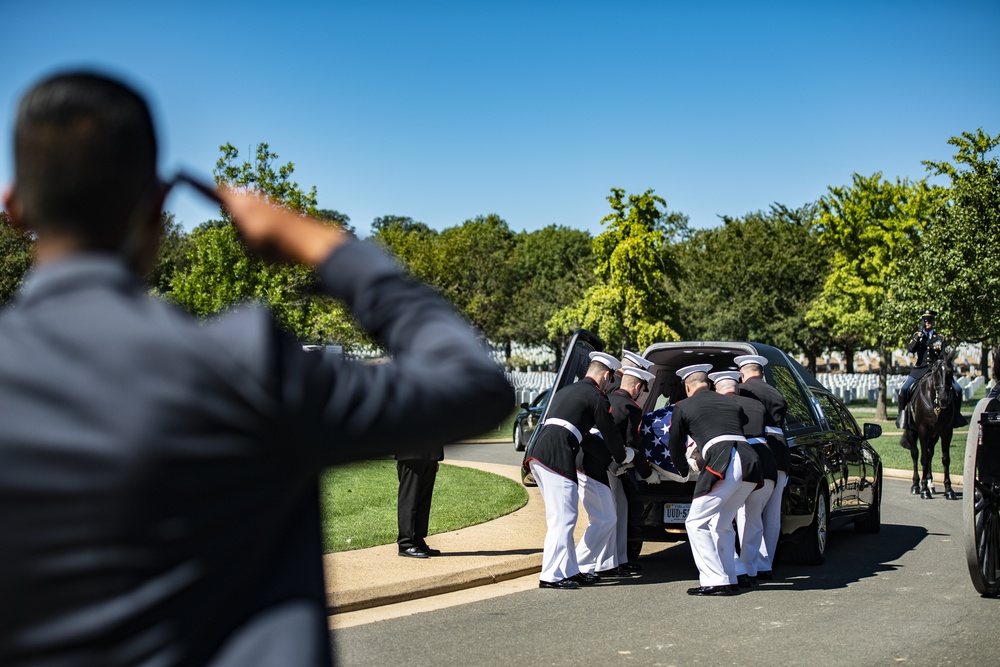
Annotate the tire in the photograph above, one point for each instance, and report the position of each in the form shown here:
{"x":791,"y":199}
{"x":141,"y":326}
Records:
{"x":810,"y":547}
{"x":518,"y":439}
{"x":872,"y":521}
{"x":981,"y":515}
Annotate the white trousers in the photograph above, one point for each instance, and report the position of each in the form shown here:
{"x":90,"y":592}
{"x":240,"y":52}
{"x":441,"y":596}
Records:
{"x":597,"y":551}
{"x":621,"y":527}
{"x":561,"y":497}
{"x":772,"y":525}
{"x":750,"y":524}
{"x":710,"y":526}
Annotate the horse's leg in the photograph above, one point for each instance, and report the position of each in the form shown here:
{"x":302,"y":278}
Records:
{"x":926,"y":452}
{"x":946,"y":462}
{"x":915,"y":488}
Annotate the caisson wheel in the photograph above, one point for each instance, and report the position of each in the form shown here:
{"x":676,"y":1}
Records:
{"x":981,"y":505}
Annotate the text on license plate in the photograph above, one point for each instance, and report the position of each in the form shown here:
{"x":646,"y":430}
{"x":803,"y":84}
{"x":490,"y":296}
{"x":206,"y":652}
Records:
{"x":675,"y":512}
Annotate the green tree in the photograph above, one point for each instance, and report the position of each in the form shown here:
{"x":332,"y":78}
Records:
{"x":222,"y":272}
{"x":872,"y":227}
{"x":15,"y":257}
{"x":955,"y":271}
{"x":172,"y":258}
{"x":550,"y":268}
{"x":635,"y":264}
{"x":753,"y":278}
{"x":473,"y":272}
{"x":414,"y":244}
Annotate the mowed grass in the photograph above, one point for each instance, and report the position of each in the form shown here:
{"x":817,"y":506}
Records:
{"x":894,"y":456}
{"x":359,"y":502}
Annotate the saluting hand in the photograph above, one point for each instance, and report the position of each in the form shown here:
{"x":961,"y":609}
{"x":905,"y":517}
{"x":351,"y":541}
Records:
{"x":271,"y":230}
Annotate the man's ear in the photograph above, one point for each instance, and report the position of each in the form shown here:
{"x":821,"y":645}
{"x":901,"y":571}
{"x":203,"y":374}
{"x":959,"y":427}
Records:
{"x":13,"y":207}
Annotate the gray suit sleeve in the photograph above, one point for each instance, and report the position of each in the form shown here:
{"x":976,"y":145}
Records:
{"x":439,"y":385}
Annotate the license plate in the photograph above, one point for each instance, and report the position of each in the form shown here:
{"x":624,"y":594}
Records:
{"x":675,"y":512}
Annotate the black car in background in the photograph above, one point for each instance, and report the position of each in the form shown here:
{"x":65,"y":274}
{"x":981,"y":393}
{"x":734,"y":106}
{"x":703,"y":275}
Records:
{"x":836,"y":476}
{"x":527,"y":419}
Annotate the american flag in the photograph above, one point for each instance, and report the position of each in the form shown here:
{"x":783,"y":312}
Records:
{"x":655,"y":433}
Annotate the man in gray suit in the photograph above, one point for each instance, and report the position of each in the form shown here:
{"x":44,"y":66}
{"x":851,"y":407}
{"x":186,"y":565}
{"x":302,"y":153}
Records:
{"x":158,"y":475}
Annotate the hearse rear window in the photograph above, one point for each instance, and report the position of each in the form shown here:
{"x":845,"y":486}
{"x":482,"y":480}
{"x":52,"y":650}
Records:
{"x":798,"y":415}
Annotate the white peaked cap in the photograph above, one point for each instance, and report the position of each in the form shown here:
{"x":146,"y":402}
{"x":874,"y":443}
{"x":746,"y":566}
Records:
{"x":638,"y":372}
{"x":695,"y":368}
{"x":735,"y":376}
{"x":750,"y":359}
{"x":606,"y":359}
{"x":636,"y":360}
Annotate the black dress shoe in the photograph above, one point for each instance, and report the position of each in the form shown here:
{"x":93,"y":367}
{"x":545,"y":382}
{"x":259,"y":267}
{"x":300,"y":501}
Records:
{"x":562,"y":583}
{"x":631,"y":568}
{"x":734,"y":588}
{"x":765,"y":575}
{"x":743,"y":580}
{"x":711,"y":590}
{"x":431,"y":552}
{"x":616,"y":572}
{"x":414,"y":552}
{"x":585,"y":579}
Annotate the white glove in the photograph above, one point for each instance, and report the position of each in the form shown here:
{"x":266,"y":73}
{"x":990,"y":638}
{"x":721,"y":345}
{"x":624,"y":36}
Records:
{"x":652,"y":479}
{"x":629,"y":455}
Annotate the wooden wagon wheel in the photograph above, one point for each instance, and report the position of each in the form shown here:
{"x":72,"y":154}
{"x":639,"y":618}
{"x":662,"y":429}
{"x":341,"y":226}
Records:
{"x":981,"y":505}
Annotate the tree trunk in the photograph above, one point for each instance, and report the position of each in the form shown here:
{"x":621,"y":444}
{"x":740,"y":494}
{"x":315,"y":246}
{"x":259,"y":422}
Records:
{"x":506,"y":349}
{"x":883,"y":374}
{"x":848,"y":360}
{"x":811,"y":359}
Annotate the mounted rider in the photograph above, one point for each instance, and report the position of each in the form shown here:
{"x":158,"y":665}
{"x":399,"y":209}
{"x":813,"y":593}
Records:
{"x":928,"y":345}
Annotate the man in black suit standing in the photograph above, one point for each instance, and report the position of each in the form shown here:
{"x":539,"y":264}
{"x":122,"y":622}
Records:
{"x":159,"y":495}
{"x":416,"y":472}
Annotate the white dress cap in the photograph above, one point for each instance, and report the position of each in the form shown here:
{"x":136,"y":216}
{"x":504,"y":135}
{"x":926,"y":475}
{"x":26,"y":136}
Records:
{"x":695,"y":368}
{"x":735,"y":376}
{"x":646,"y":376}
{"x":606,"y":359}
{"x":636,"y":360}
{"x":750,"y":359}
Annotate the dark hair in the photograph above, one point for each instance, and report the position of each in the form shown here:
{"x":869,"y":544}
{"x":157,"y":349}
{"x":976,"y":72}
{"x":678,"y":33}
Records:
{"x":84,"y":157}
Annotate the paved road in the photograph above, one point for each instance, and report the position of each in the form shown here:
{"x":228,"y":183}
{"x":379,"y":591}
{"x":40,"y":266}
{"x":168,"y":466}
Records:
{"x":900,"y":597}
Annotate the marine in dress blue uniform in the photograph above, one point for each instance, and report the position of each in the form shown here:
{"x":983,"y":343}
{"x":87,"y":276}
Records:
{"x":754,"y":386}
{"x":572,"y":412}
{"x":749,"y":518}
{"x":628,"y":418}
{"x":730,"y":472}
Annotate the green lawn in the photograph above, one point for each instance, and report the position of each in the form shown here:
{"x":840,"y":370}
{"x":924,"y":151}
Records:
{"x":894,"y":456}
{"x":359,"y":502}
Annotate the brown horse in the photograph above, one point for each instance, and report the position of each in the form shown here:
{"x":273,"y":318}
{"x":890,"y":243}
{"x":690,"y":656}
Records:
{"x":932,"y":409}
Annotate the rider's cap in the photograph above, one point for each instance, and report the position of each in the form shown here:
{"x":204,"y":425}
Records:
{"x":745,"y":359}
{"x":691,"y":370}
{"x":735,"y":376}
{"x":606,"y":359}
{"x":928,"y":314}
{"x":632,"y":359}
{"x":643,"y":375}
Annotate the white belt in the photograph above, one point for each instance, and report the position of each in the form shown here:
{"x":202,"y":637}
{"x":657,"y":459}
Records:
{"x":757,"y":441}
{"x":720,"y":438}
{"x":773,"y":430}
{"x":555,"y":421}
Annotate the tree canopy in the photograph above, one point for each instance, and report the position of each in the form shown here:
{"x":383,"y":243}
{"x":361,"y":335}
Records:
{"x":15,"y":257}
{"x":631,"y":304}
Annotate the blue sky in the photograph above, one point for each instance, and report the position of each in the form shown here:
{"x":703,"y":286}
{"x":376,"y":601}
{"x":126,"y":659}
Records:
{"x":443,"y":111}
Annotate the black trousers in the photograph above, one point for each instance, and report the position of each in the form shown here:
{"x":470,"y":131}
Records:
{"x":413,"y":507}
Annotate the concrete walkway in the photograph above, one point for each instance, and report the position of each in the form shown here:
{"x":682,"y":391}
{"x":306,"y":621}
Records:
{"x":491,"y":552}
